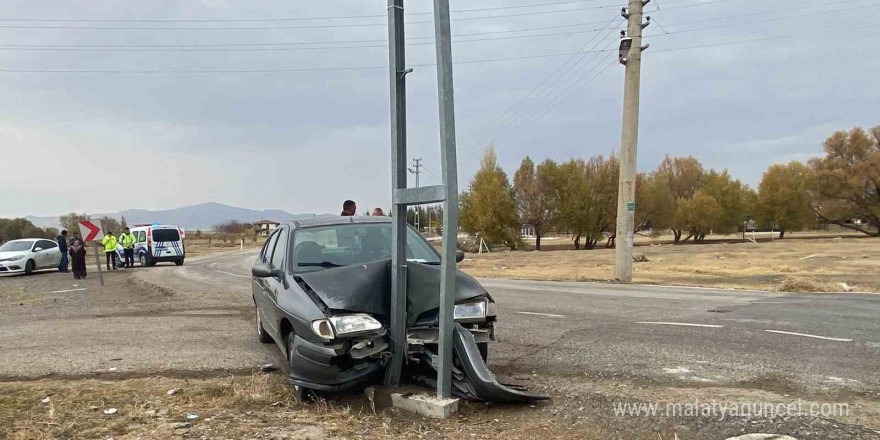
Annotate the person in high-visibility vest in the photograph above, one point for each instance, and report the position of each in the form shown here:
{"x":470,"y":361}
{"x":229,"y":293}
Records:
{"x":109,"y":243}
{"x":127,"y":240}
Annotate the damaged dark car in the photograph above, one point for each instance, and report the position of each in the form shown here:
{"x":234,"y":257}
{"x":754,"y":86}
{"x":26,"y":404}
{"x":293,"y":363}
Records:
{"x":322,"y":291}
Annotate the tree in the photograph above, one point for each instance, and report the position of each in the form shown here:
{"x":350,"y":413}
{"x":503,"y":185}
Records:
{"x":784,"y":198}
{"x":533,"y":193}
{"x":733,"y":198}
{"x":13,"y":229}
{"x":655,"y":205}
{"x":487,"y":208}
{"x":110,"y":224}
{"x":699,"y":215}
{"x":70,"y":222}
{"x":587,"y":198}
{"x":847,"y":180}
{"x":683,"y":176}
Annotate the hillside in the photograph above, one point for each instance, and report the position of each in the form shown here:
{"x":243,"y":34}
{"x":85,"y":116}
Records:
{"x":201,"y":216}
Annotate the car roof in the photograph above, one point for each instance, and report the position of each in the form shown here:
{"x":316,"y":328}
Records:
{"x":28,"y":239}
{"x":330,"y":220}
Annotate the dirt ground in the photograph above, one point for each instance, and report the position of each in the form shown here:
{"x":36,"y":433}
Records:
{"x":818,"y":260}
{"x":259,"y":406}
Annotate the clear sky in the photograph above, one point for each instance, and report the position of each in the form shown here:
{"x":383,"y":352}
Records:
{"x":290,"y":111}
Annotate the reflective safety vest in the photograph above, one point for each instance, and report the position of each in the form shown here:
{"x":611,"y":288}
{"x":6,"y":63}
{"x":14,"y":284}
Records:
{"x":109,"y":243}
{"x":127,"y":241}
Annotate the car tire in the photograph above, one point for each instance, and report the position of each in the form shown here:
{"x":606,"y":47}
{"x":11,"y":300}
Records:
{"x":262,"y":335}
{"x":484,"y":351}
{"x":300,"y":393}
{"x":142,"y":259}
{"x":29,"y":267}
{"x":179,"y":262}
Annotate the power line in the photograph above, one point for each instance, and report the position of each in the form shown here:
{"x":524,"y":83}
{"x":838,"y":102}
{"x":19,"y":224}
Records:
{"x":319,"y":26}
{"x":539,"y":103}
{"x":305,"y":69}
{"x":354,"y":68}
{"x":383,"y":40}
{"x":556,"y":101}
{"x":512,"y":108}
{"x":235,"y":20}
{"x":787,"y":17}
{"x":238,"y":48}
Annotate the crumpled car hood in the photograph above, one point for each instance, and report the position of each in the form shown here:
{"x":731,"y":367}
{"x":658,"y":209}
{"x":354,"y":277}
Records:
{"x":366,"y":288}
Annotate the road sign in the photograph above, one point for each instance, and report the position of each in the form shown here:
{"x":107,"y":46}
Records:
{"x":90,"y":231}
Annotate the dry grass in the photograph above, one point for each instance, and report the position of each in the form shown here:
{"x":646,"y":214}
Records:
{"x":258,"y":406}
{"x":854,"y":260}
{"x":797,"y":283}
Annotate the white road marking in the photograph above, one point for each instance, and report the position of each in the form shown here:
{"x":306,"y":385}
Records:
{"x":69,"y":290}
{"x":550,"y":315}
{"x":685,"y":324}
{"x":809,"y":336}
{"x":232,"y":274}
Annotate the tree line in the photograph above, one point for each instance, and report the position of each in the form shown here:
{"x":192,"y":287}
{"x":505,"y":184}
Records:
{"x":580,"y":196}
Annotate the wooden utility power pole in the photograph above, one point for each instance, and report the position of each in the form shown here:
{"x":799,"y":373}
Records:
{"x":631,"y":56}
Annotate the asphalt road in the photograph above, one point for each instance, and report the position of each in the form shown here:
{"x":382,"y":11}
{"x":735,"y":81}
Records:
{"x":566,"y":337}
{"x":672,"y":334}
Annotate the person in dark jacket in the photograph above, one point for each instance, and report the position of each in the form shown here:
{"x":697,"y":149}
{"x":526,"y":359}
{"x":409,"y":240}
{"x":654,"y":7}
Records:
{"x":62,"y":247}
{"x":78,"y":256}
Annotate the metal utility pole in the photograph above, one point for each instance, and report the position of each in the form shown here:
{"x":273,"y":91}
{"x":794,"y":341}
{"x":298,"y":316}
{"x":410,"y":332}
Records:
{"x":403,"y":197}
{"x":417,"y":164}
{"x":631,"y":56}
{"x":443,"y":45}
{"x":398,"y":182}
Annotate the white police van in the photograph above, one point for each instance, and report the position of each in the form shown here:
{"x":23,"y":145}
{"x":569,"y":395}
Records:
{"x":155,"y":243}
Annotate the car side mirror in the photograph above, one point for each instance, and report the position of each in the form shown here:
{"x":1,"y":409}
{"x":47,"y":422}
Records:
{"x":459,"y":256}
{"x":37,"y":249}
{"x":262,"y":270}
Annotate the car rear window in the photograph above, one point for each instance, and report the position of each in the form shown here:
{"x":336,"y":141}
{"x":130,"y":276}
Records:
{"x":166,"y":235}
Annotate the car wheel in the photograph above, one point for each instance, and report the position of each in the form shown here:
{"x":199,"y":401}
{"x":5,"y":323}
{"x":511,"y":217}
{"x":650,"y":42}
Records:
{"x":179,"y":262}
{"x":262,"y":335}
{"x":142,"y":259}
{"x":484,"y":351}
{"x":29,"y":267}
{"x":300,"y":393}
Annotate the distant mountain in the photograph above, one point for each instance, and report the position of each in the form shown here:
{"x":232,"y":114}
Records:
{"x":202,"y":216}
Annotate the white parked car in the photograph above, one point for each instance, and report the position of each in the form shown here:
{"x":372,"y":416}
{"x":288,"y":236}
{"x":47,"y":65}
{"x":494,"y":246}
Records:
{"x":29,"y":254}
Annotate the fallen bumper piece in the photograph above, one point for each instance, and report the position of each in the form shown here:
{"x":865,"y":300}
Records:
{"x":471,"y":379}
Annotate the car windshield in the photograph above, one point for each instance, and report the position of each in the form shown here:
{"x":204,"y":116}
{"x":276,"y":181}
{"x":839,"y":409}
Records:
{"x":16,"y":246}
{"x":322,"y":247}
{"x":166,"y":235}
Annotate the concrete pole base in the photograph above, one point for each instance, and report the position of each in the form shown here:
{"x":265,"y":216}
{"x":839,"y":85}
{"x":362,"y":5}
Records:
{"x":413,"y":399}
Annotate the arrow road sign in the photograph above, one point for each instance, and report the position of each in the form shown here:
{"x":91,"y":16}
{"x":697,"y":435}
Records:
{"x":90,"y":231}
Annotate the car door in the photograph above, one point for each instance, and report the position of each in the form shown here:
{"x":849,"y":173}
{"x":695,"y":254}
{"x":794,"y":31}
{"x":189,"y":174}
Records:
{"x":53,"y":254}
{"x":40,"y":254}
{"x":261,"y":286}
{"x":274,"y":285}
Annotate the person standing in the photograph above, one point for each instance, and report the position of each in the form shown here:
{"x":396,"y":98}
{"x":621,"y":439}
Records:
{"x":78,"y":257}
{"x":62,"y":247}
{"x":378,"y":212}
{"x":127,"y":241}
{"x":349,"y":208}
{"x":110,"y":243}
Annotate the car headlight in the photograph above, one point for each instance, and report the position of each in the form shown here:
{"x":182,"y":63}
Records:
{"x":470,"y":311}
{"x":15,"y":258}
{"x":345,"y":325}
